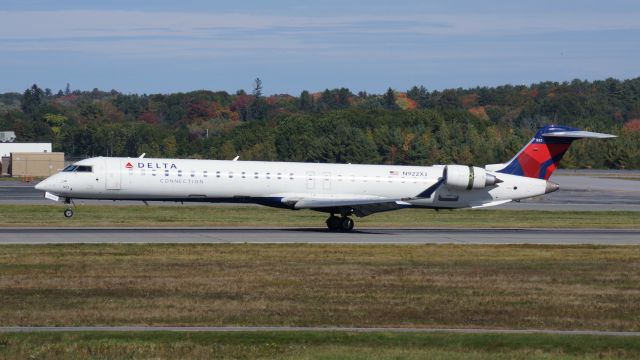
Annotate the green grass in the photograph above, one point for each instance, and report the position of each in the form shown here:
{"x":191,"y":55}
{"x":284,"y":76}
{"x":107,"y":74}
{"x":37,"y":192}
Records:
{"x":18,"y":179}
{"x":312,"y":345}
{"x":237,"y":216}
{"x":442,"y":286}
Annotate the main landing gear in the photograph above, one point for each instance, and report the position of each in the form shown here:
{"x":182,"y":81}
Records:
{"x":344,"y":223}
{"x":68,"y":212}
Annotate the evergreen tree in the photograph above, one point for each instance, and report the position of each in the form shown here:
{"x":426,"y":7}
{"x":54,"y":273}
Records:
{"x":389,"y":100}
{"x":306,"y":101}
{"x":32,"y":100}
{"x":258,"y":107}
{"x":257,"y":90}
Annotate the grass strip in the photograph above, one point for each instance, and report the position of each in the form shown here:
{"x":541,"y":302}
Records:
{"x":135,"y":215}
{"x":447,"y":286}
{"x":313,"y":345}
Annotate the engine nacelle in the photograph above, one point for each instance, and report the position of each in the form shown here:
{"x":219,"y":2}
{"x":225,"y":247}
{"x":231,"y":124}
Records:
{"x":463,"y":177}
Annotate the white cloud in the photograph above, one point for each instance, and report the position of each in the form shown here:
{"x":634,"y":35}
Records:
{"x":136,"y":33}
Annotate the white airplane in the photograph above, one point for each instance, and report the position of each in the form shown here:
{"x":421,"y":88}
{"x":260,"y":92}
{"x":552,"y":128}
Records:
{"x":337,"y":189}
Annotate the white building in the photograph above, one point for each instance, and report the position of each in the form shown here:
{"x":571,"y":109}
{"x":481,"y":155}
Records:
{"x":6,"y":148}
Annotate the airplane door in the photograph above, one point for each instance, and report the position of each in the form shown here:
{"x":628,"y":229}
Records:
{"x":326,"y":181}
{"x":311,"y":180}
{"x":114,"y":173}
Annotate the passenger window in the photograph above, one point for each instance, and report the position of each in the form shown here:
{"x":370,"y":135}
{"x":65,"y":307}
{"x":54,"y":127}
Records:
{"x":291,"y":176}
{"x":339,"y":177}
{"x":279,"y":176}
{"x":230,"y":174}
{"x":243,"y":175}
{"x":142,"y":172}
{"x":255,"y":175}
{"x":153,"y":172}
{"x":193,"y":173}
{"x":268,"y":176}
{"x":166,"y":173}
{"x":217,"y":174}
{"x":179,"y":172}
{"x":204,"y":173}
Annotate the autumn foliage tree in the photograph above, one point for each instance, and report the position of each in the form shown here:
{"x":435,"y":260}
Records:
{"x":470,"y":126}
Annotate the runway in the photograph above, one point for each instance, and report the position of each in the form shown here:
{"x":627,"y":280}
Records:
{"x":316,"y":236}
{"x":14,"y":329}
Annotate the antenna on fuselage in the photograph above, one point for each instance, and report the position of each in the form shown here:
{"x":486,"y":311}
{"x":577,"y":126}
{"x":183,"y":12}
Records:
{"x":142,"y":156}
{"x":236,"y":158}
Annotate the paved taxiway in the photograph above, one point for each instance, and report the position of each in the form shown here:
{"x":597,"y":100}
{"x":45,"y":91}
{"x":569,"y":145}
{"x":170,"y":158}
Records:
{"x":316,"y":236}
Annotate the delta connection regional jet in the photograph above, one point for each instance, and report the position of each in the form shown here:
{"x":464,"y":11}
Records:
{"x":340,"y":190}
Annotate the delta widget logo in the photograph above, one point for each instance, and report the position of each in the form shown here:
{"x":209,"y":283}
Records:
{"x":151,"y":165}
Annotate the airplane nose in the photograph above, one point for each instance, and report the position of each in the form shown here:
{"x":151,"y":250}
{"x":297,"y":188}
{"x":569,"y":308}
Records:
{"x":43,"y":185}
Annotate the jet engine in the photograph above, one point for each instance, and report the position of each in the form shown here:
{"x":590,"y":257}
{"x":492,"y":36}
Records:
{"x":463,"y":177}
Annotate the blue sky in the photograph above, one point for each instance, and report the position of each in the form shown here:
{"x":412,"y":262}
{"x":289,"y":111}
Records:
{"x":168,"y":46}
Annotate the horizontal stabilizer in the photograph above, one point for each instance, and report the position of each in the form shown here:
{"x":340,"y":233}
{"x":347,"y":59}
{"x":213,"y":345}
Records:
{"x":579,"y":134}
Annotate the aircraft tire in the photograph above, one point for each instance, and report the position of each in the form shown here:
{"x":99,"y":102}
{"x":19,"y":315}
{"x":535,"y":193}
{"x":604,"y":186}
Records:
{"x":333,"y":223}
{"x":68,"y":213}
{"x":346,"y":224}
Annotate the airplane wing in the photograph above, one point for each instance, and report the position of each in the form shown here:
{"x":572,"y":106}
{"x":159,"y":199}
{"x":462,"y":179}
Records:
{"x":362,"y":206}
{"x":479,"y":205}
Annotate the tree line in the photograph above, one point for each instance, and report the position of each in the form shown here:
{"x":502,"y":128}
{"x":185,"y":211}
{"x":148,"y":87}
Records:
{"x":466,"y":126}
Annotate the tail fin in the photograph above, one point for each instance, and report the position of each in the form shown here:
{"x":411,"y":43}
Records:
{"x":541,"y":156}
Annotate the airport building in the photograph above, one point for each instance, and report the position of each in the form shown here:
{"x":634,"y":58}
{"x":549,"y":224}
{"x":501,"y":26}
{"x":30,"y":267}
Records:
{"x":27,"y":159}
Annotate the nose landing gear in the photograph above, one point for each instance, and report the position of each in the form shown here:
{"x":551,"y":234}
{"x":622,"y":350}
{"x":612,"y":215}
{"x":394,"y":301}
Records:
{"x":344,"y":223}
{"x":68,"y":212}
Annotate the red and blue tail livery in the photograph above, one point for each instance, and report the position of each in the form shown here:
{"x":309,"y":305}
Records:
{"x":541,"y":156}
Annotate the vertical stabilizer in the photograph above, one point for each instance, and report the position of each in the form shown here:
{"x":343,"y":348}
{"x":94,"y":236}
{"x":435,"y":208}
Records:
{"x":541,"y":156}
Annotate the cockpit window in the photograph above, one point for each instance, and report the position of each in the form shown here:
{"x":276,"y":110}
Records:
{"x":83,"y":168}
{"x":77,"y":168}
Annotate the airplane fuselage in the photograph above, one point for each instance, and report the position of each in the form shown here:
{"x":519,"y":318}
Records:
{"x":279,"y":184}
{"x":343,"y":189}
